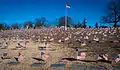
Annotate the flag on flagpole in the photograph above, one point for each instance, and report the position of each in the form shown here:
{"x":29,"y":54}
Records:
{"x":67,"y":6}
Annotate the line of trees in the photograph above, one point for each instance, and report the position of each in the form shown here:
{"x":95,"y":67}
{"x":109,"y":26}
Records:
{"x":38,"y":23}
{"x":70,"y":23}
{"x":43,"y":22}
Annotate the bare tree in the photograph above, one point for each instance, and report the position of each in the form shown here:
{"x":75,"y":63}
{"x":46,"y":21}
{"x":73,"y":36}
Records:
{"x":84,"y":23}
{"x":78,"y":25}
{"x":40,"y":22}
{"x":113,"y":13}
{"x":96,"y":25}
{"x":28,"y":24}
{"x":1,"y":26}
{"x":4,"y":26}
{"x":15,"y":26}
{"x":62,"y":21}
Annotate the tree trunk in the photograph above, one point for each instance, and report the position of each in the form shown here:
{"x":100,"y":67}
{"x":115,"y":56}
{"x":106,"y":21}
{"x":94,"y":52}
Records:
{"x":115,"y":24}
{"x":115,"y":17}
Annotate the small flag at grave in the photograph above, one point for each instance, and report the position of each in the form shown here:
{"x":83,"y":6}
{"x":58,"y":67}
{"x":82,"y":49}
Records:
{"x":81,"y":55}
{"x":45,"y":57}
{"x":117,"y":59}
{"x":102,"y":56}
{"x":20,"y":57}
{"x":5,"y":54}
{"x":63,"y":60}
{"x":48,"y":45}
{"x":42,"y":53}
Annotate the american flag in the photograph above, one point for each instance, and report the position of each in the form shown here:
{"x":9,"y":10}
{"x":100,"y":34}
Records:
{"x":67,"y":6}
{"x":20,"y":58}
{"x":100,"y":56}
{"x":49,"y":45}
{"x":81,"y":55}
{"x":5,"y":54}
{"x":63,"y":60}
{"x":117,"y":59}
{"x":42,"y":53}
{"x":45,"y":57}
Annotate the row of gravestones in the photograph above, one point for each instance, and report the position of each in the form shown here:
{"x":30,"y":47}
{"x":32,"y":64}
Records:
{"x":63,"y":66}
{"x":38,"y":65}
{"x":57,"y":34}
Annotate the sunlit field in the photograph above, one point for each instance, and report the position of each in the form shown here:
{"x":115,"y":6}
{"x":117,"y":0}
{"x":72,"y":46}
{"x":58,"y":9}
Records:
{"x":60,"y":47}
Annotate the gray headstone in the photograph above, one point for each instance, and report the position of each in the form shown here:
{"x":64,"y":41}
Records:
{"x":38,"y":64}
{"x":13,"y":63}
{"x":58,"y":65}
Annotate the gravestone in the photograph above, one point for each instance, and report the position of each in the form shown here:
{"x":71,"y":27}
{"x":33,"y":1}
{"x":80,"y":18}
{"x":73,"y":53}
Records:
{"x":58,"y":66}
{"x":38,"y":64}
{"x":13,"y":63}
{"x":81,"y":54}
{"x":95,"y":68}
{"x":115,"y":68}
{"x":78,"y":67}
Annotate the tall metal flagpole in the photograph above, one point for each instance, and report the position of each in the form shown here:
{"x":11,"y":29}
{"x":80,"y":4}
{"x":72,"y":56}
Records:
{"x":65,"y":18}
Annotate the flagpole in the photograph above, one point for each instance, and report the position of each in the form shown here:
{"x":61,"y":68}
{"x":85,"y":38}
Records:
{"x":65,"y":18}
